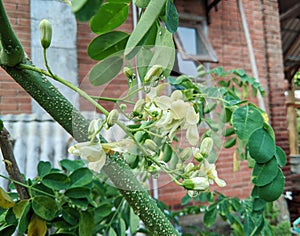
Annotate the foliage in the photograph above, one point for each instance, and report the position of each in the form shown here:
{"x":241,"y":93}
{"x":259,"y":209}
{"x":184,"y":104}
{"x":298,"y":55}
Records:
{"x":68,"y":201}
{"x":73,"y":201}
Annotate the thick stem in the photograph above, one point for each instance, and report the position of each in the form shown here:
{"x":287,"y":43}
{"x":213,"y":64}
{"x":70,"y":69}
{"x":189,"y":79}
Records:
{"x":11,"y":50}
{"x":11,"y":164}
{"x":74,"y":123}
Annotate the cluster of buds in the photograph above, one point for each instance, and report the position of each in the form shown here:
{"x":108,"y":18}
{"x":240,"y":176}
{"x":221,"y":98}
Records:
{"x":201,"y":175}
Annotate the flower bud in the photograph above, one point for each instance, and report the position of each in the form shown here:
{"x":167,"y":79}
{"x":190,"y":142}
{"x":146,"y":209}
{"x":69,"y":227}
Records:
{"x":185,"y":154}
{"x":128,"y":72}
{"x":123,"y":107}
{"x":197,"y":183}
{"x":167,"y":153}
{"x":206,"y":146}
{"x":151,"y":145}
{"x":189,"y":167}
{"x":139,"y":106}
{"x":45,"y":33}
{"x":153,"y":74}
{"x":112,"y":117}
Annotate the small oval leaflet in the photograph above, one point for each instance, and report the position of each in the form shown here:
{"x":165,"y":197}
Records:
{"x":261,"y":146}
{"x":265,"y":173}
{"x":105,"y":70}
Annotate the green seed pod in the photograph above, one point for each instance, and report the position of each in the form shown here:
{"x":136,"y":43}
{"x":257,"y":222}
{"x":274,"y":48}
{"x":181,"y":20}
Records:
{"x":153,"y":74}
{"x":45,"y":33}
{"x":206,"y":146}
{"x":112,"y":117}
{"x":151,"y":145}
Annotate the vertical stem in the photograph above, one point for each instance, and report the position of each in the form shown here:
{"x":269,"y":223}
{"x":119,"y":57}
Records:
{"x":11,"y":50}
{"x":11,"y":164}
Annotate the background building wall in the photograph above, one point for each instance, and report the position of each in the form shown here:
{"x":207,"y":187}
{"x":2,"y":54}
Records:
{"x":225,"y":33}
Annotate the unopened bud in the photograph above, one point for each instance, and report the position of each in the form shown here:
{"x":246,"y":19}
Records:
{"x":206,"y":146}
{"x":189,"y":167}
{"x":185,"y":154}
{"x":112,"y":117}
{"x":151,"y":145}
{"x":197,"y":183}
{"x":153,"y":74}
{"x":128,"y":72}
{"x":45,"y":33}
{"x":139,"y":106}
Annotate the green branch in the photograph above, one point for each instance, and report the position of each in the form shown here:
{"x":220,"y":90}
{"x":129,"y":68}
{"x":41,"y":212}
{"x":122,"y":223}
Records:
{"x":39,"y":88}
{"x":11,"y":50}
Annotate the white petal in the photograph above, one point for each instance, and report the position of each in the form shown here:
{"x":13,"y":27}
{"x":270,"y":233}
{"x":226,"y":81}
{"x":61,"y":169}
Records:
{"x":97,"y":165}
{"x":192,"y":135}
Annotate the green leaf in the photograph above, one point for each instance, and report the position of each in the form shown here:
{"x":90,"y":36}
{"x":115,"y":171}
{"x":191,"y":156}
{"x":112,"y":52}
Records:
{"x":84,"y":10}
{"x":5,"y":200}
{"x":56,"y":181}
{"x":1,"y":125}
{"x":110,"y":16}
{"x":122,"y":227}
{"x":261,"y":146}
{"x":25,"y":219}
{"x":246,"y":120}
{"x":44,"y":168}
{"x":273,"y":190}
{"x":230,"y":142}
{"x":105,"y":70}
{"x":78,"y":4}
{"x":164,"y":51}
{"x":280,"y":156}
{"x":70,"y":215}
{"x":71,"y":165}
{"x":210,"y":217}
{"x":103,"y":210}
{"x":7,"y":230}
{"x":111,"y":232}
{"x":107,"y":44}
{"x":134,"y":222}
{"x":146,"y":21}
{"x":81,"y":177}
{"x":45,"y":207}
{"x":40,"y":189}
{"x":19,"y":207}
{"x":258,"y":204}
{"x":78,"y":192}
{"x":186,"y":199}
{"x":265,"y":173}
{"x":171,"y":17}
{"x":86,"y":224}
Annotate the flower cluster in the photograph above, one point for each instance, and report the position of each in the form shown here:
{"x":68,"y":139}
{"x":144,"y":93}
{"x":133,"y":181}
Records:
{"x":200,"y":176}
{"x":170,"y":113}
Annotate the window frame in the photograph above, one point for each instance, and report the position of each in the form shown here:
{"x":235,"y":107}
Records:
{"x":198,"y":23}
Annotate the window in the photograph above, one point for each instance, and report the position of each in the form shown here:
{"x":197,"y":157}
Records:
{"x":192,"y":44}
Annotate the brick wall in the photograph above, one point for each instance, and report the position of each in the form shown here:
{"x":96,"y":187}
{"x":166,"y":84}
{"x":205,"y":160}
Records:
{"x":13,"y":99}
{"x":226,"y":36}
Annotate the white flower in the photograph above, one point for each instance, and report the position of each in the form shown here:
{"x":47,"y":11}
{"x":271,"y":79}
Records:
{"x":210,"y":171}
{"x":126,"y":145}
{"x":92,"y":152}
{"x":177,"y":113}
{"x":196,"y":183}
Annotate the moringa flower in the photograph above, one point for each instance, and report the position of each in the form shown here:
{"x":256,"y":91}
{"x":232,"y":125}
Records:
{"x":177,"y":113}
{"x":196,"y":183}
{"x":209,"y":170}
{"x":92,"y":152}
